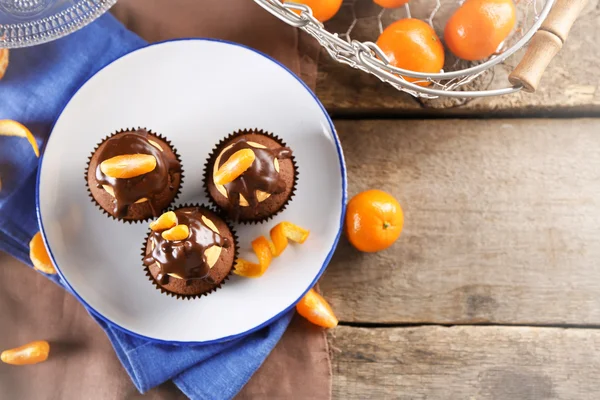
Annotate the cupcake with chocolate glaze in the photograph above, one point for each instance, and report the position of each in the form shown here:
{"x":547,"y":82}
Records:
{"x":189,"y":252}
{"x":134,"y":175}
{"x":262,"y":184}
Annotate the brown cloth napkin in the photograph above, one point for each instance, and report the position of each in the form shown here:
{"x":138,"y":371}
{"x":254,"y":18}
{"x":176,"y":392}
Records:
{"x":82,"y":364}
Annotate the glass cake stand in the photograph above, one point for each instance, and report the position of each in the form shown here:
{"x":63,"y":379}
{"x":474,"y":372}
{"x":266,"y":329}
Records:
{"x":29,"y":22}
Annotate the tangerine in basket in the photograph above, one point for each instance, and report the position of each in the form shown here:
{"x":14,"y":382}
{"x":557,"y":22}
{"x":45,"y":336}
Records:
{"x":476,"y":30}
{"x":390,"y":3}
{"x":323,"y":10}
{"x":413,"y":45}
{"x":374,"y":220}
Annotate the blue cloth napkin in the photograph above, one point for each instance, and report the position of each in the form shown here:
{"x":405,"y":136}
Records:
{"x":37,"y":85}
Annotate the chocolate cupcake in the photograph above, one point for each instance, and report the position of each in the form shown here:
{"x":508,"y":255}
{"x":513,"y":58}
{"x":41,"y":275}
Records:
{"x":189,"y":252}
{"x":134,"y":175}
{"x":262,"y":190}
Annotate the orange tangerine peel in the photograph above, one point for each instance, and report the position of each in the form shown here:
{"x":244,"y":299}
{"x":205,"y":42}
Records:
{"x":8,"y":127}
{"x":284,"y":231}
{"x":166,"y":221}
{"x":265,"y":250}
{"x":262,"y":249}
{"x":3,"y":62}
{"x":317,"y":310}
{"x":128,"y":165}
{"x":236,"y":165}
{"x":39,"y":255}
{"x":30,"y":353}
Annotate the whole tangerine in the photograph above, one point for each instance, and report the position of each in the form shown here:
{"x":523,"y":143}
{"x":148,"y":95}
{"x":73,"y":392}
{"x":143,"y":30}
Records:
{"x":390,"y":3}
{"x":476,"y":29}
{"x":323,"y":10}
{"x":374,"y":220}
{"x":413,"y":45}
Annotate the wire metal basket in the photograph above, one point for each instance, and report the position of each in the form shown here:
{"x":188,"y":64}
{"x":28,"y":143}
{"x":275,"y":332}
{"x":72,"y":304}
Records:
{"x":544,"y":24}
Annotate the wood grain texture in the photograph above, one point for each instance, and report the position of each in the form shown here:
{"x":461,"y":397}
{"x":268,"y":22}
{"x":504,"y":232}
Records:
{"x":502,"y":222}
{"x":496,"y":363}
{"x":570,"y":84}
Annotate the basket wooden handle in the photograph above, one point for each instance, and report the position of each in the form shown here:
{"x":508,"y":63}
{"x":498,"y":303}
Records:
{"x":546,"y":42}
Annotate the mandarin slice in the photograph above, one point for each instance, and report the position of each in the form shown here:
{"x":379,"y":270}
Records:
{"x":39,"y":255}
{"x":178,"y":232}
{"x":128,"y":165}
{"x":166,"y":221}
{"x":315,"y":308}
{"x":30,"y":353}
{"x":236,"y":165}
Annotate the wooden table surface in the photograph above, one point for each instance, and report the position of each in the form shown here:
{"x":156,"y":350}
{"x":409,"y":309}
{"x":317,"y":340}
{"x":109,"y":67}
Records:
{"x":493,"y":290}
{"x":569,"y":86}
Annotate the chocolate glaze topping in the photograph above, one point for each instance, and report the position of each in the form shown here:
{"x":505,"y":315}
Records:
{"x":261,"y":175}
{"x":128,"y":191}
{"x":185,"y":258}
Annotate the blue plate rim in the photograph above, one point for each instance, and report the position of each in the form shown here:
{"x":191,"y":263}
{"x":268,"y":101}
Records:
{"x":270,"y":320}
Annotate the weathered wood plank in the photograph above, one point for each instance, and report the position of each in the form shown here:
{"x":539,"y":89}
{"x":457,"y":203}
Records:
{"x":569,"y":84}
{"x":502,"y":222}
{"x":465,"y":363}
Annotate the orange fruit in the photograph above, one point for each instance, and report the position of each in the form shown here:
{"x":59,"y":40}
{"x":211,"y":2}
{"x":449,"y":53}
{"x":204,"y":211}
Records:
{"x":323,"y":10}
{"x":390,"y":3}
{"x":39,"y":255}
{"x":478,"y":27}
{"x":374,"y":220}
{"x":315,"y":308}
{"x":237,"y":164}
{"x":413,"y":45}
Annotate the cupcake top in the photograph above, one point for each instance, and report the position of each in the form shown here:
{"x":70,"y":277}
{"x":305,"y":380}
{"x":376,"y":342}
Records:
{"x":185,"y":244}
{"x":261,"y":180}
{"x":129,"y":178}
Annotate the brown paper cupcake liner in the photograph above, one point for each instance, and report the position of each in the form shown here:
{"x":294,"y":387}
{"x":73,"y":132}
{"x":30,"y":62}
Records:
{"x":87,"y":166}
{"x":208,"y":174}
{"x":191,"y":296}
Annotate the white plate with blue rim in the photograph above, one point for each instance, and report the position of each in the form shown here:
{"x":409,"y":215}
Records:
{"x":194,"y":92}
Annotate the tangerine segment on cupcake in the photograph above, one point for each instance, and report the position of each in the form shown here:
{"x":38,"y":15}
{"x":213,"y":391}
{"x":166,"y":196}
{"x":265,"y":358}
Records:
{"x":134,"y":175}
{"x":259,"y":190}
{"x":192,"y":257}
